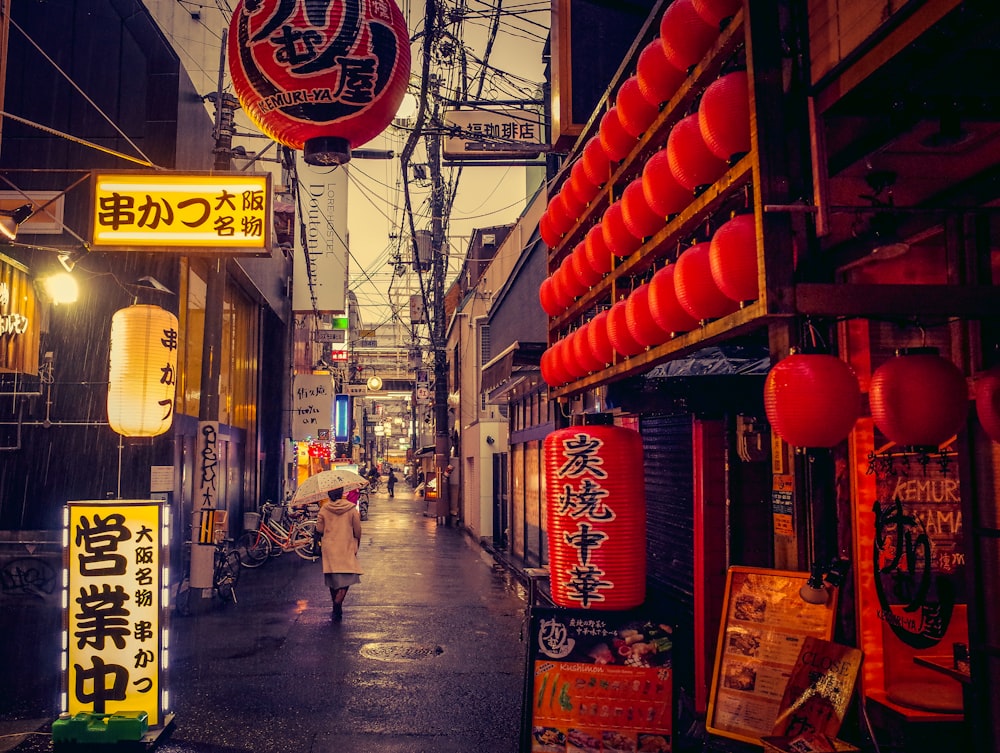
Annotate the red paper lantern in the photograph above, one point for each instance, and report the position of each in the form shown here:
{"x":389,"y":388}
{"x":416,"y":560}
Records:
{"x":548,"y":368}
{"x":691,"y":163}
{"x":581,"y":266}
{"x":664,"y":307}
{"x":596,"y":162}
{"x":616,"y":234}
{"x":732,"y":257}
{"x":599,"y":256}
{"x":618,"y":332}
{"x":571,"y":201}
{"x":617,"y":142}
{"x":547,"y":297}
{"x":987,"y":394}
{"x":714,"y":12}
{"x":560,"y":291}
{"x":551,"y":235}
{"x":639,"y":218}
{"x":575,"y":287}
{"x":559,"y":361}
{"x":354,"y":71}
{"x":724,"y":116}
{"x":594,"y":493}
{"x":582,"y":354}
{"x":663,"y":193}
{"x":639,"y":319}
{"x":685,"y":35}
{"x":696,"y":290}
{"x":918,"y":398}
{"x":599,"y":340}
{"x":812,"y":400}
{"x":634,"y":111}
{"x":579,"y":184}
{"x":659,"y":79}
{"x":561,"y":215}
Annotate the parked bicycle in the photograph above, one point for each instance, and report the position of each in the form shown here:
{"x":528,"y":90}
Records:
{"x":225,"y":574}
{"x":363,"y":503}
{"x":278,"y":532}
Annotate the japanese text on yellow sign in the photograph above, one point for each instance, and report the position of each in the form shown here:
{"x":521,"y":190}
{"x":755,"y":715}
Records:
{"x":212,"y":211}
{"x":113,"y":610}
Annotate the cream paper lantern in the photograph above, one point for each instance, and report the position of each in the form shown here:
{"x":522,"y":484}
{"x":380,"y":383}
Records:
{"x":143,"y":373}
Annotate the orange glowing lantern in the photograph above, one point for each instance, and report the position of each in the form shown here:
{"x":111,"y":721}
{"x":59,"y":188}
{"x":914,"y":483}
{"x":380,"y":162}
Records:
{"x":143,"y":371}
{"x":812,"y":399}
{"x":732,"y":257}
{"x":596,"y":513}
{"x":918,"y":398}
{"x":696,"y":289}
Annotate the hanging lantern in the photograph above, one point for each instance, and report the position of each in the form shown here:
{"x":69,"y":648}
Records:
{"x":596,"y":162}
{"x":640,"y":219}
{"x":337,"y":87}
{"x":918,"y":398}
{"x":634,"y":112}
{"x":617,"y":142}
{"x":663,"y":193}
{"x":714,"y":12}
{"x":685,"y":35}
{"x":691,"y":162}
{"x":575,"y":287}
{"x":812,"y":400}
{"x":547,"y":297}
{"x":585,"y":273}
{"x":598,"y":254}
{"x":599,"y":340}
{"x":142,"y":378}
{"x":664,"y":307}
{"x":696,"y":290}
{"x":596,"y":517}
{"x":561,"y":215}
{"x":618,"y":332}
{"x":550,"y":369}
{"x":658,"y":78}
{"x":724,"y":116}
{"x":732,"y":256}
{"x":571,"y":201}
{"x":548,"y":231}
{"x":639,"y":319}
{"x":582,"y":354}
{"x":561,"y":290}
{"x":579,"y":184}
{"x":616,"y":234}
{"x":987,"y":394}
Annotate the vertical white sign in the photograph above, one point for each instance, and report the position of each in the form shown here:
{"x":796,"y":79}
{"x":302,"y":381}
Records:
{"x":320,"y":269}
{"x":312,"y":405}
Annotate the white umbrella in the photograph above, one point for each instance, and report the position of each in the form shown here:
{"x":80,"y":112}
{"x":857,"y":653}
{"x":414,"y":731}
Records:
{"x":314,"y":489}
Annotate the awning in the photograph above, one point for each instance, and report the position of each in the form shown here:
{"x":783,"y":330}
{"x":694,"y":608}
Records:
{"x":514,"y":372}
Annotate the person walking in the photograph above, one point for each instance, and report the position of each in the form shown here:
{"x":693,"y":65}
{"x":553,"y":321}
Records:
{"x":391,"y":482}
{"x":338,"y":527}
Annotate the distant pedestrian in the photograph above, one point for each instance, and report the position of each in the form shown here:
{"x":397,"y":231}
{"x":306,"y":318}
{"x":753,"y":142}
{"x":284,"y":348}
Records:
{"x":338,"y":526}
{"x":391,"y":482}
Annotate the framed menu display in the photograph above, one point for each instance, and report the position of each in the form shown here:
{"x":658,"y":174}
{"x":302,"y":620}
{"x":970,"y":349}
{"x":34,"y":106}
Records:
{"x":597,"y":682}
{"x":764,"y":625}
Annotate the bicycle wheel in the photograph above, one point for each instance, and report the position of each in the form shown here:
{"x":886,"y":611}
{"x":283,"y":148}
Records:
{"x":255,"y":547}
{"x":303,"y":542}
{"x":227,"y":573}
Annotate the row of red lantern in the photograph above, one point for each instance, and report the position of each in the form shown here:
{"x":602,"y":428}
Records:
{"x":917,"y":399}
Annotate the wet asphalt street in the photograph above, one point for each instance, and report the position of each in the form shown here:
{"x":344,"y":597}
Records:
{"x":427,"y":659}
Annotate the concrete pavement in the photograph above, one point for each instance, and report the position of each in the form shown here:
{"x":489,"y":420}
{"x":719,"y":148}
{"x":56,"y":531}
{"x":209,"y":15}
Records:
{"x":428,"y":657}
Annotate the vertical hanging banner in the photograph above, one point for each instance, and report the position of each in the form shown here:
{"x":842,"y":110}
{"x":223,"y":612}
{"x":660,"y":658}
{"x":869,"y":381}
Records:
{"x":312,"y":406}
{"x":114,"y":647}
{"x":321,"y":264}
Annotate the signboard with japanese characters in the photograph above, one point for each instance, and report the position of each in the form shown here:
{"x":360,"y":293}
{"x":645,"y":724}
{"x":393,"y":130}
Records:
{"x":492,"y":134}
{"x":115,"y":555}
{"x":597,"y":681}
{"x":193,"y":212}
{"x":320,"y":261}
{"x":312,"y":405}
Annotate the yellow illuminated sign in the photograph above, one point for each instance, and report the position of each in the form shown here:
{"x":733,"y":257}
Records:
{"x":115,"y":652}
{"x":217,"y":212}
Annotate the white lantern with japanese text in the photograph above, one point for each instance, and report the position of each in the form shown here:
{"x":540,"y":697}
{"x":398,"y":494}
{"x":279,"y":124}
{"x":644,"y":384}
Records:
{"x":596,"y":513}
{"x":143,"y":370}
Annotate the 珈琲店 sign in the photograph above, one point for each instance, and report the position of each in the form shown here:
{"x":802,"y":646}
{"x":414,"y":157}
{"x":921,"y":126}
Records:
{"x":114,"y":554}
{"x":151,"y":211}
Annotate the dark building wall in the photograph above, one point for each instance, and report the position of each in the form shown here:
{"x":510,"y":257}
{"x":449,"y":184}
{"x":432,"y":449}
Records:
{"x":520,"y":316}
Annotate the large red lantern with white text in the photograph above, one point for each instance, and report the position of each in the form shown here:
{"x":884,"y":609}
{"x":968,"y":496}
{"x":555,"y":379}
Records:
{"x":319,"y":75}
{"x":595,"y":506}
{"x":696,"y":290}
{"x":918,"y":398}
{"x":812,"y":399}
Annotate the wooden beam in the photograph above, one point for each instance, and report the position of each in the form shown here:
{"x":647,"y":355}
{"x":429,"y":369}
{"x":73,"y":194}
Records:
{"x":903,"y":301}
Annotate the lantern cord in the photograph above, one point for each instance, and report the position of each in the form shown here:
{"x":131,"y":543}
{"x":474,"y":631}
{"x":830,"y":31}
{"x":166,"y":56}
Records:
{"x":815,"y":339}
{"x":121,"y":447}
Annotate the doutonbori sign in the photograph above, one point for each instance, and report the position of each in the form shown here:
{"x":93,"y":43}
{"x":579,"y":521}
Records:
{"x":156,"y":211}
{"x":319,"y":75}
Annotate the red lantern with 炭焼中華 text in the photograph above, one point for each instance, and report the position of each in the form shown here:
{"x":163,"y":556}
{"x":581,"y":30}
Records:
{"x":618,"y":332}
{"x":664,"y":307}
{"x":724,"y":116}
{"x":987,"y":393}
{"x":659,"y":79}
{"x":617,"y":236}
{"x":812,"y":399}
{"x":696,"y":289}
{"x":918,"y":398}
{"x":732,"y":255}
{"x":663,"y":193}
{"x":639,"y":319}
{"x":685,"y":35}
{"x":639,"y":218}
{"x":690,"y":160}
{"x":635,"y":113}
{"x":337,"y":87}
{"x":599,"y":340}
{"x":617,"y":142}
{"x":594,"y":494}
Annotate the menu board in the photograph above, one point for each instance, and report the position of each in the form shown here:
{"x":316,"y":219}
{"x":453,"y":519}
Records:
{"x":597,"y":682}
{"x":764,"y":625}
